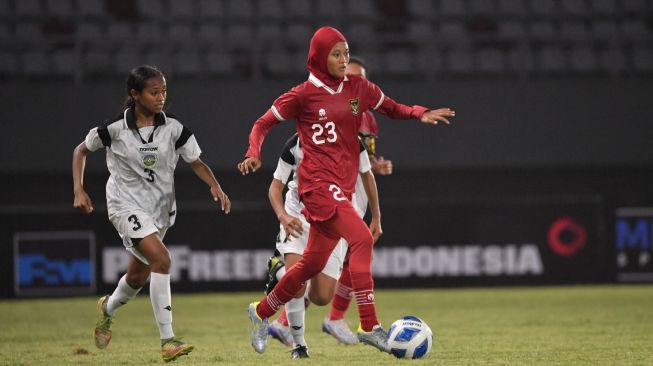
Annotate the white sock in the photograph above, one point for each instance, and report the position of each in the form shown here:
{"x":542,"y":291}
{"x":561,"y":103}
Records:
{"x":295,"y":312}
{"x":162,"y":303}
{"x":120,"y":296}
{"x":281,"y":272}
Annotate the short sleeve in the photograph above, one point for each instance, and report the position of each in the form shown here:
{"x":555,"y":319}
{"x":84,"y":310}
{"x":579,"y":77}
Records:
{"x":287,"y":106}
{"x":364,"y":164}
{"x":373,"y":94}
{"x":190,"y":151}
{"x":283,"y":172}
{"x":93,"y":141}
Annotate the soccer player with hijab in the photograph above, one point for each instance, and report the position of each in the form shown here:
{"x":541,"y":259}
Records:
{"x":327,"y":109}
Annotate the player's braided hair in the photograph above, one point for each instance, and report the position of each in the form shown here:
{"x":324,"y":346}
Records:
{"x":136,"y":80}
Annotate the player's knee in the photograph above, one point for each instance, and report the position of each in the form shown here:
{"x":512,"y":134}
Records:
{"x":161,"y":262}
{"x":137,"y":280}
{"x":318,"y":298}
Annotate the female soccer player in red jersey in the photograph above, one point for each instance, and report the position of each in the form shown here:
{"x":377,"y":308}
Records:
{"x":327,"y":109}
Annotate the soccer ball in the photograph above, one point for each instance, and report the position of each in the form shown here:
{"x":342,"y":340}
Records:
{"x":410,"y":337}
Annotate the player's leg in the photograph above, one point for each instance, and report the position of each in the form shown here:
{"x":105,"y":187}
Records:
{"x":153,"y":249}
{"x":322,"y":289}
{"x":128,"y":287}
{"x":343,"y":294}
{"x":319,"y":247}
{"x":353,"y":229}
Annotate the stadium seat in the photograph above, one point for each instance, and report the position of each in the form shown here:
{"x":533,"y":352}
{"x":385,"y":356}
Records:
{"x":97,"y":61}
{"x":270,"y":33}
{"x":543,"y":8}
{"x":328,"y":9}
{"x":180,"y":33}
{"x":642,"y":59}
{"x":6,"y":34}
{"x":576,"y":8}
{"x":182,"y":9}
{"x":218,"y":62}
{"x":490,"y":60}
{"x":511,"y":30}
{"x":604,"y":30}
{"x":428,"y":61}
{"x":635,"y":7}
{"x":613,"y":60}
{"x":210,"y":33}
{"x":240,"y":36}
{"x":277,"y":62}
{"x":452,"y":8}
{"x":573,"y":31}
{"x":361,"y":9}
{"x":8,"y":63}
{"x":270,"y":9}
{"x":298,"y":35}
{"x":149,"y":33}
{"x":62,"y":9}
{"x":211,"y":9}
{"x":159,"y":58}
{"x":298,"y":9}
{"x":91,"y":8}
{"x":521,"y":59}
{"x":28,"y":33}
{"x":187,"y":62}
{"x":6,"y":11}
{"x":460,"y":61}
{"x":28,"y":8}
{"x":452,"y":31}
{"x":583,"y":59}
{"x":35,"y":62}
{"x":635,"y":30}
{"x":543,"y":30}
{"x":603,"y":7}
{"x":119,"y":32}
{"x":239,"y":9}
{"x":64,"y":62}
{"x":126,"y":58}
{"x":551,"y":59}
{"x":398,"y":62}
{"x":421,"y":8}
{"x":482,"y":7}
{"x":420,"y":32}
{"x":511,"y":7}
{"x":153,"y":9}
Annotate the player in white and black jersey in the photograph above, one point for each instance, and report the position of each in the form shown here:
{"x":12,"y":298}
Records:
{"x":143,"y":146}
{"x":293,"y":237}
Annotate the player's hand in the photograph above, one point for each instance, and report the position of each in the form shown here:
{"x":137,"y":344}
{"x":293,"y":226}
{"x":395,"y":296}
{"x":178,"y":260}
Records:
{"x":381,"y":166}
{"x":83,"y":202}
{"x":433,"y":116}
{"x":249,"y":164}
{"x":375,"y":228}
{"x":292,"y":225}
{"x":218,"y":195}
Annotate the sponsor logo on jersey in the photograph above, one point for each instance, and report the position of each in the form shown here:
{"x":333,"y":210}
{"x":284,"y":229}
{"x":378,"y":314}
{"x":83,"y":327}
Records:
{"x":322,"y":112}
{"x":148,"y":149}
{"x":149,"y":160}
{"x":353,"y":104}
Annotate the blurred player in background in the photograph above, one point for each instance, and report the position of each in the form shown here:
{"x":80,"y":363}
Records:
{"x":143,"y":146}
{"x":369,"y":129}
{"x":327,"y":110}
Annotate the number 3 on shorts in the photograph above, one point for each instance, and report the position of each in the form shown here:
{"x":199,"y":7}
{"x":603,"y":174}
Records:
{"x":337,"y":193}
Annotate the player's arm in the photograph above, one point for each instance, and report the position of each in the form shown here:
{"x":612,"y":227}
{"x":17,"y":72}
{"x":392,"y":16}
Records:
{"x":82,"y":200}
{"x":291,"y":224}
{"x":392,"y":109}
{"x":206,"y":175}
{"x":285,"y":107}
{"x":375,"y":209}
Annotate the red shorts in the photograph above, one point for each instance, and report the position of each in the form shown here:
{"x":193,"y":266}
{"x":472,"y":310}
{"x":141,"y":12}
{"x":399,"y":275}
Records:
{"x":321,"y":201}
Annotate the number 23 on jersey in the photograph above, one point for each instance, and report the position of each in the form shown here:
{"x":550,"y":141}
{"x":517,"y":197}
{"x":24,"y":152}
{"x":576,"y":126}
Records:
{"x":324,"y":134}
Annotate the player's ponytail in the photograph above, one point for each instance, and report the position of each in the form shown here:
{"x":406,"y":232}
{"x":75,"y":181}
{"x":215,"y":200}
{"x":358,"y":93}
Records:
{"x":136,"y":80}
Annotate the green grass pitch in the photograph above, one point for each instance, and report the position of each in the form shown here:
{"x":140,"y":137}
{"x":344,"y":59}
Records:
{"x":571,"y":325}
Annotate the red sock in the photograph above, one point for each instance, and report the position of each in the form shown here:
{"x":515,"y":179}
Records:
{"x":317,"y":252}
{"x":283,"y":319}
{"x":342,"y":297}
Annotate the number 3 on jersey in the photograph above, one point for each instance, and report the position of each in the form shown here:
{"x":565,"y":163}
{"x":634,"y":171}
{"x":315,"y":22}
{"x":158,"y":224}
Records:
{"x":329,"y":128}
{"x":337,"y":193}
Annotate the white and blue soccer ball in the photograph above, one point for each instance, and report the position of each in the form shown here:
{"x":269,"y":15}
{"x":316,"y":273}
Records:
{"x":410,"y":337}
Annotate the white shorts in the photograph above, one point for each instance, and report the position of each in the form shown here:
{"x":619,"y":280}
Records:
{"x":135,"y":224}
{"x":291,"y":244}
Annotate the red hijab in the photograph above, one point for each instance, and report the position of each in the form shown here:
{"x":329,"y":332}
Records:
{"x":321,"y":44}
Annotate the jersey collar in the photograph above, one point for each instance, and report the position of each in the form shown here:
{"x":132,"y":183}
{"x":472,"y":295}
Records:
{"x":318,"y":83}
{"x":130,"y":118}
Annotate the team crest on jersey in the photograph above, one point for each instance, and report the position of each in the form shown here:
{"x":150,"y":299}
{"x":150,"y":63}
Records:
{"x":149,"y":160}
{"x":353,"y":104}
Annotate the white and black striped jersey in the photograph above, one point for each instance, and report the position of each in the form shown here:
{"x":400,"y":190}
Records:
{"x":142,"y":163}
{"x":290,"y":159}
